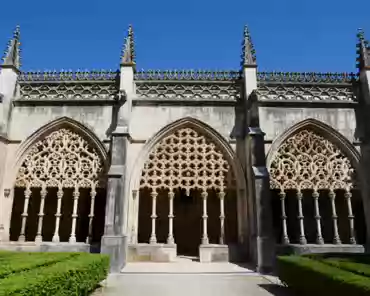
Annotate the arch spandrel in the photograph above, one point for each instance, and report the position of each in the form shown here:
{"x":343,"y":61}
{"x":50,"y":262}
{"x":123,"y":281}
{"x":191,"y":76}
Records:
{"x":312,"y":156}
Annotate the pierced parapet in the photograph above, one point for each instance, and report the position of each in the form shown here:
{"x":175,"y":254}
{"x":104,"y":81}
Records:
{"x":11,"y":57}
{"x":363,"y":51}
{"x":248,"y":51}
{"x":128,"y":50}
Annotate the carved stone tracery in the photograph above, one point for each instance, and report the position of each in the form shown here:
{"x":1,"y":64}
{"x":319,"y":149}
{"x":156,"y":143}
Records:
{"x":188,"y":160}
{"x":307,"y":160}
{"x":61,"y":159}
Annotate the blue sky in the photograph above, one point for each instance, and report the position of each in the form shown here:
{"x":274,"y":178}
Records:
{"x":289,"y":35}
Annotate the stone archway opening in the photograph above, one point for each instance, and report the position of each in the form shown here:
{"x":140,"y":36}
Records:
{"x":187,"y":197}
{"x":315,"y":195}
{"x":59,"y":193}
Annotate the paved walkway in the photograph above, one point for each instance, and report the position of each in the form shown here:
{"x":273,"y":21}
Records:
{"x":189,"y":279}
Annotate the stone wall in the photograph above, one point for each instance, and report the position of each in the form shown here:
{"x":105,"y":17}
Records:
{"x":25,"y":120}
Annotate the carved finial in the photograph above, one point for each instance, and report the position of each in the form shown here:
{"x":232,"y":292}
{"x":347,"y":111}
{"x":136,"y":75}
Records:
{"x":128,"y":50}
{"x":248,"y":53}
{"x":363,"y":50}
{"x":11,"y":57}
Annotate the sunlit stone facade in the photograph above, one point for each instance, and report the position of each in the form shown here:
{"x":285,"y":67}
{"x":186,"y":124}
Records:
{"x":213,"y":165}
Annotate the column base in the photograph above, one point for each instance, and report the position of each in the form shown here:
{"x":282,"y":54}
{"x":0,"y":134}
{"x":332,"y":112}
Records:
{"x":116,"y":247}
{"x":213,"y":253}
{"x":266,"y":254}
{"x":152,"y":253}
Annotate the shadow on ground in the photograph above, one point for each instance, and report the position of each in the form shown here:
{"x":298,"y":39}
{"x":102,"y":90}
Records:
{"x":277,"y":290}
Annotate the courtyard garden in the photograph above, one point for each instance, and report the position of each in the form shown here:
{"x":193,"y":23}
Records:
{"x":326,"y":274}
{"x":51,"y":273}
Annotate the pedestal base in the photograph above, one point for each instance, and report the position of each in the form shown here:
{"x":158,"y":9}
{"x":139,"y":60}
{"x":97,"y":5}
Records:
{"x":116,"y":248}
{"x":152,"y":252}
{"x":213,"y":253}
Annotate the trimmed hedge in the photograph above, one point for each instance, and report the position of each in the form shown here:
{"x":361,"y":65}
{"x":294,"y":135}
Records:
{"x":357,"y":268}
{"x":310,"y":277}
{"x":27,"y":261}
{"x":353,"y":257}
{"x":76,"y":276}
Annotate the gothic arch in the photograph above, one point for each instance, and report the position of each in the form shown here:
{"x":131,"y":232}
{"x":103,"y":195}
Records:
{"x":326,"y":131}
{"x":198,"y":125}
{"x":313,"y":176}
{"x":65,"y":163}
{"x":50,"y":127}
{"x":218,"y":152}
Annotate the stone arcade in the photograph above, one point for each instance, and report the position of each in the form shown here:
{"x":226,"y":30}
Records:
{"x":217,"y":165}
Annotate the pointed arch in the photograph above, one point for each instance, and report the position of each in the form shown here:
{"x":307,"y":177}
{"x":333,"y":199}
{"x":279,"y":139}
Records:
{"x":62,"y":122}
{"x":204,"y":129}
{"x":320,"y":128}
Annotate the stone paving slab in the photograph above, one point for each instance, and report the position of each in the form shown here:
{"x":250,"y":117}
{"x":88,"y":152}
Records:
{"x":189,"y":285}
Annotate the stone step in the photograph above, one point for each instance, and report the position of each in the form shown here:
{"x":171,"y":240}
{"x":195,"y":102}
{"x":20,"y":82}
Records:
{"x":184,"y":265}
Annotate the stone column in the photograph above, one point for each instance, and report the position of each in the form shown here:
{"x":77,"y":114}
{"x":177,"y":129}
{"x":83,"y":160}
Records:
{"x":205,"y":240}
{"x":58,"y":214}
{"x":319,"y":238}
{"x":170,"y":238}
{"x":76,"y":195}
{"x":261,"y":190}
{"x":114,"y":241}
{"x":27,"y":195}
{"x":43,"y":194}
{"x":91,"y":215}
{"x":285,"y":236}
{"x":363,"y":128}
{"x":336,"y":237}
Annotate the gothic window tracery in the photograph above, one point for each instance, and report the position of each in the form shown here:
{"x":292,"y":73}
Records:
{"x":188,"y":160}
{"x":61,"y":159}
{"x":322,"y":179}
{"x":307,"y":160}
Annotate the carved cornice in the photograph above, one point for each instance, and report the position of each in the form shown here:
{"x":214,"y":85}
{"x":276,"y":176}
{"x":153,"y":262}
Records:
{"x":306,"y":77}
{"x":188,"y":75}
{"x":68,"y":75}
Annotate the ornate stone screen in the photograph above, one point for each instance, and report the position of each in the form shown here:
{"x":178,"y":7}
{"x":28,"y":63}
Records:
{"x":308,"y":161}
{"x":63,"y":159}
{"x":186,"y":160}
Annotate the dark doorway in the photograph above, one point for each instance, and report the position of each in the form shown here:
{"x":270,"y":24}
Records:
{"x":187,"y":222}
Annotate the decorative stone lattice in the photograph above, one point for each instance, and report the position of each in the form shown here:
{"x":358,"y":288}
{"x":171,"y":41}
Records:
{"x":307,"y":93}
{"x":60,"y":76}
{"x":309,"y":161}
{"x":188,"y":75}
{"x":63,"y":91}
{"x":209,"y":91}
{"x":186,"y":160}
{"x":63,"y":159}
{"x":306,"y":77}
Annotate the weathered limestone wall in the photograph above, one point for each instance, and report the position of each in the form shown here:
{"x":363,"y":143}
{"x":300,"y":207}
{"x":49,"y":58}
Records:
{"x":275,"y":121}
{"x":148,"y":120}
{"x":26,"y":119}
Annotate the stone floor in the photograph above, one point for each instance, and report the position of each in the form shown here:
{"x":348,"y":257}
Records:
{"x":190,"y":279}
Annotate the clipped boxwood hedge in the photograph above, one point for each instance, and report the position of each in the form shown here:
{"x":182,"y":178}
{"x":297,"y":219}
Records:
{"x":76,"y":276}
{"x":26,"y":261}
{"x":310,"y":277}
